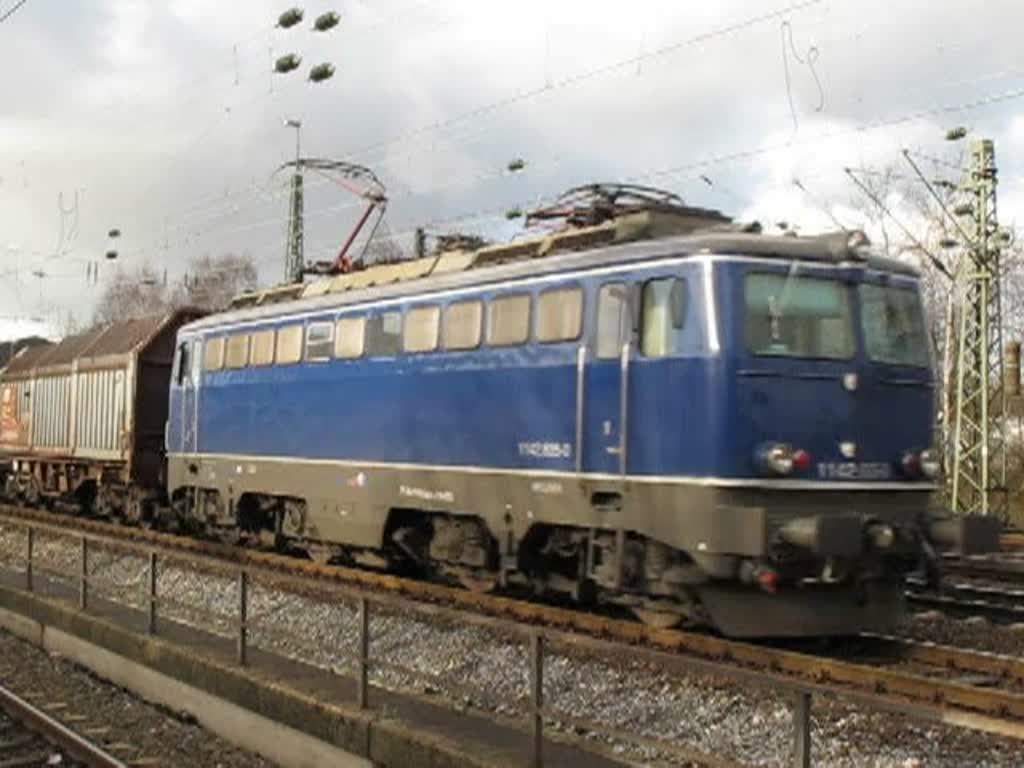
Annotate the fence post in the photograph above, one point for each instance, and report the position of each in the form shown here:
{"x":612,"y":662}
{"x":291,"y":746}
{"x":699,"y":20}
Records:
{"x":29,"y":540}
{"x":802,"y":730}
{"x":537,"y":698}
{"x":83,"y":576}
{"x":363,"y":661}
{"x":151,"y":624}
{"x":243,"y":615}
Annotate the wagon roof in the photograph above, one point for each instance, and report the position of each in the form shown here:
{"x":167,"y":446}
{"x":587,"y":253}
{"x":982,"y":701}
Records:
{"x":117,"y":339}
{"x":29,"y":357}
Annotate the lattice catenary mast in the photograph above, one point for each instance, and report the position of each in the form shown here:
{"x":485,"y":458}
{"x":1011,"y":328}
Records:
{"x":979,"y":445}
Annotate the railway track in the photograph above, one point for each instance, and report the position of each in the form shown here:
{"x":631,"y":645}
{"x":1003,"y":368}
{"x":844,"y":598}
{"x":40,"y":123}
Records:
{"x":30,"y":737}
{"x":999,"y":604}
{"x":958,"y":686}
{"x":1012,"y":541}
{"x":994,"y":568}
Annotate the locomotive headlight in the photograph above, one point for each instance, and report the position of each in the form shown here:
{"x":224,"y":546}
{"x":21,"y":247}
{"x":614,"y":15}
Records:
{"x":930,"y":464}
{"x":882,"y":536}
{"x":775,"y":458}
{"x":910,"y":463}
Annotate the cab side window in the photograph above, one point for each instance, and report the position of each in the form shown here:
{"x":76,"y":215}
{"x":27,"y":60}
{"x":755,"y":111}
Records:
{"x":184,"y":371}
{"x":664,"y":302}
{"x":384,"y":334}
{"x":613,"y":320}
{"x":319,"y":341}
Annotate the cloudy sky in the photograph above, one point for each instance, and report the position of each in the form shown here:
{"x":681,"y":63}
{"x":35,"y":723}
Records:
{"x":162,"y":119}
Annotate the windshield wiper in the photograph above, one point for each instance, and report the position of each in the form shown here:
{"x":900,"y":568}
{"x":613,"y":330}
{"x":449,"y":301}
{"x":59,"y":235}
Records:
{"x":775,"y":308}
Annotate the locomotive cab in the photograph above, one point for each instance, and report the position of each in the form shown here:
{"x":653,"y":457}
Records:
{"x":830,"y":414}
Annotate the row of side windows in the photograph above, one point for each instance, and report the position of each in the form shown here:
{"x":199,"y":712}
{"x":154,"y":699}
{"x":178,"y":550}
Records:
{"x":462,"y":325}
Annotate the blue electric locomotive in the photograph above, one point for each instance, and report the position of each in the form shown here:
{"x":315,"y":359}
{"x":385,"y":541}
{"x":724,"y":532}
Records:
{"x":663,"y":411}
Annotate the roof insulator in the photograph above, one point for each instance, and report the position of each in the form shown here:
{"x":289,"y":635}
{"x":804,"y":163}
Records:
{"x":513,"y":213}
{"x":955,"y":134}
{"x":321,"y":72}
{"x":964,"y":209}
{"x":290,"y":18}
{"x":948,"y":242}
{"x":516,"y":165}
{"x":326,"y":21}
{"x":287,"y":63}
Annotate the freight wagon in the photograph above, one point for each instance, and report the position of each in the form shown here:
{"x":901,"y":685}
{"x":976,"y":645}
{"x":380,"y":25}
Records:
{"x":84,"y":418}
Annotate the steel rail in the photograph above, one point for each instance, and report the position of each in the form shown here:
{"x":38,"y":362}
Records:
{"x":1012,"y":541}
{"x":959,"y":599}
{"x":56,"y":732}
{"x":987,"y":568}
{"x":936,"y":698}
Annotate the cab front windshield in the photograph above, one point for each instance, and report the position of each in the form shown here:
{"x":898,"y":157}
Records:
{"x":790,"y":315}
{"x":893,"y":325}
{"x":796,"y":316}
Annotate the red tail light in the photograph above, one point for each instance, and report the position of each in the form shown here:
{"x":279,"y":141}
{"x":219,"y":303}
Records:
{"x":801,"y":460}
{"x":768,"y":580}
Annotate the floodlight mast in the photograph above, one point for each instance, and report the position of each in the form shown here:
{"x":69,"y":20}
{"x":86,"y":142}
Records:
{"x":294,"y":256}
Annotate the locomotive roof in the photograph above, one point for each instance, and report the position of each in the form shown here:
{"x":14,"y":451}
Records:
{"x":833,"y":248}
{"x":118,"y":339}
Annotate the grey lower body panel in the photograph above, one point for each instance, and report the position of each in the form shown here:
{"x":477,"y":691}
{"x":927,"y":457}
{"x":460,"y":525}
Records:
{"x":348,"y":500}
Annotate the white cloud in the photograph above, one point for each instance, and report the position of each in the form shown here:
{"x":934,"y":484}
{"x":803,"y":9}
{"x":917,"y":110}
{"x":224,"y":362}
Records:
{"x":11,"y":330}
{"x":157,"y":110}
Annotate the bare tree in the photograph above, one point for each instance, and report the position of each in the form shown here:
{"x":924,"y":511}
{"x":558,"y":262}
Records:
{"x":130,"y":294}
{"x":210,"y":283}
{"x":213,"y":281}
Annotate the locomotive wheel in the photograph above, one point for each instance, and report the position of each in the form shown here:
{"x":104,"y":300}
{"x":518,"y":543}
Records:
{"x":478,"y":584}
{"x":324,"y":554}
{"x":658,"y":619}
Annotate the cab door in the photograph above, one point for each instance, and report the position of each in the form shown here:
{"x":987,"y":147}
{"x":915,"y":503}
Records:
{"x":182,"y":429}
{"x":606,"y":383}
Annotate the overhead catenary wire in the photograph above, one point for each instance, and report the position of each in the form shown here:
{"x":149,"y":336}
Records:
{"x":5,"y":15}
{"x":218,"y":198}
{"x":725,"y":160}
{"x":786,"y":28}
{"x":935,"y":195}
{"x":246,"y":194}
{"x":586,"y":75}
{"x":800,"y":185}
{"x":748,"y":154}
{"x":714,"y":160}
{"x":935,"y":260}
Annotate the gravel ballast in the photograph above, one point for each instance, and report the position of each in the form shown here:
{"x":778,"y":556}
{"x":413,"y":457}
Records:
{"x":483,"y":669}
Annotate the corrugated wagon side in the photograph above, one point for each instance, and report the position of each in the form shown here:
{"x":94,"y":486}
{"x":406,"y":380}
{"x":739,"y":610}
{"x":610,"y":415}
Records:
{"x":85,"y":418}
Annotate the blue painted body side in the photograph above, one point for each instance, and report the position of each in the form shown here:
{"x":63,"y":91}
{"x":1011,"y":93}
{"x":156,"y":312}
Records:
{"x":698,"y":412}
